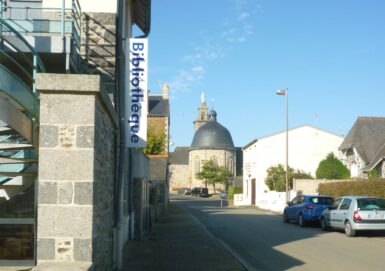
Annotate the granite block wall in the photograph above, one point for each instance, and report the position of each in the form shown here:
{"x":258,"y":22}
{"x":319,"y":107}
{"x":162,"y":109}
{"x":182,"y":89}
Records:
{"x":76,"y":174}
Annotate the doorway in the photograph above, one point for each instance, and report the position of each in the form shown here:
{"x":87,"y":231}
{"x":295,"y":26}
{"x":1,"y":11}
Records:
{"x":253,"y":187}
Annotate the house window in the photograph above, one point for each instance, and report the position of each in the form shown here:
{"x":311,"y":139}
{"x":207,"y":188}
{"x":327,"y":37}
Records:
{"x":230,"y":165}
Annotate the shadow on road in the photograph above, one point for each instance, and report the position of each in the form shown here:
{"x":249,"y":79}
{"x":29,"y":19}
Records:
{"x":254,"y":234}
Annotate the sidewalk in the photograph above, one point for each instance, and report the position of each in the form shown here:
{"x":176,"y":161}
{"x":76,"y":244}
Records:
{"x":178,"y":243}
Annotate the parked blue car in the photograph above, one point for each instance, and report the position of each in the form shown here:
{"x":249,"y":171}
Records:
{"x":306,"y":208}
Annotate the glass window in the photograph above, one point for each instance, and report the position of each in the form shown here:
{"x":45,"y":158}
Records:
{"x":16,"y":224}
{"x":371,"y":203}
{"x":337,"y":203}
{"x":345,"y":204}
{"x":321,"y":200}
{"x":16,"y":242}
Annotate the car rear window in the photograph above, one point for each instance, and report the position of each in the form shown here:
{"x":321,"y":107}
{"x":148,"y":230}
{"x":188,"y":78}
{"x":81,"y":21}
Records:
{"x":322,"y":200}
{"x":371,"y":204}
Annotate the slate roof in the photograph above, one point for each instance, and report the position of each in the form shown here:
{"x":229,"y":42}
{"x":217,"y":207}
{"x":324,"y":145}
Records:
{"x":367,"y":136}
{"x":142,"y":15}
{"x":179,"y":156}
{"x":158,"y":168}
{"x":212,"y":135}
{"x":157,"y":106}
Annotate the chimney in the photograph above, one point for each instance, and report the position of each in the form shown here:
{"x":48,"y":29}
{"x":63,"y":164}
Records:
{"x":165,"y":90}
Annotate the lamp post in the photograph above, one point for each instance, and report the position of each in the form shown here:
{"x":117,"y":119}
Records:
{"x":285,"y":92}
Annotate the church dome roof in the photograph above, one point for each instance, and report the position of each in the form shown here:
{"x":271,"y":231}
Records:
{"x":212,"y":135}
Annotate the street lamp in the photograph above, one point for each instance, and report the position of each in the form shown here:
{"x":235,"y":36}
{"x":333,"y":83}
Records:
{"x":285,"y":92}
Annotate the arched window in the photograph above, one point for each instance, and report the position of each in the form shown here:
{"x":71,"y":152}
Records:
{"x":197,"y":165}
{"x":214,"y":159}
{"x":230,"y":165}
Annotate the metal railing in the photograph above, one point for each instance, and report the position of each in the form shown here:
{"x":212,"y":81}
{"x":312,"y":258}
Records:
{"x":17,"y":54}
{"x":47,"y":21}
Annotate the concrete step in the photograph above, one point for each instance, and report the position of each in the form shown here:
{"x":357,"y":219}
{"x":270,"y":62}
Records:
{"x":15,"y":146}
{"x":18,"y":181}
{"x":7,"y":131}
{"x":15,"y":174}
{"x":17,"y":160}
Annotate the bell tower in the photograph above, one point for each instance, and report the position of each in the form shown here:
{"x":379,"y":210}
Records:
{"x":203,"y":113}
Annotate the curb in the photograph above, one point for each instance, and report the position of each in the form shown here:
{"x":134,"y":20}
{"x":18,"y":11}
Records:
{"x":242,"y":261}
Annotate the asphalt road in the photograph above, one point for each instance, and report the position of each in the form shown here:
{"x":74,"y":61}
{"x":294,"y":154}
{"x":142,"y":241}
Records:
{"x":261,"y":241}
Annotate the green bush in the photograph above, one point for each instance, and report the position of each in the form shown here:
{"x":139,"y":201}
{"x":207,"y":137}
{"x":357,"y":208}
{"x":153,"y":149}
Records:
{"x":234,"y":190}
{"x":332,"y":169}
{"x":372,"y":187}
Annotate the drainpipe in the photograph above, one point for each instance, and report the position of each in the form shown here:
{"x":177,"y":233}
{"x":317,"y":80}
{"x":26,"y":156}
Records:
{"x":119,"y":103}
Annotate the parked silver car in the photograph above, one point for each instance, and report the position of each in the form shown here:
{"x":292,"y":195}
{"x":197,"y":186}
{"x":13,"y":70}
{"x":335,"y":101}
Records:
{"x":355,"y":213}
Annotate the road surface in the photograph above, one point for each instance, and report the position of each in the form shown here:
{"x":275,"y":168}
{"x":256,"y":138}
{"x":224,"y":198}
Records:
{"x":261,"y":241}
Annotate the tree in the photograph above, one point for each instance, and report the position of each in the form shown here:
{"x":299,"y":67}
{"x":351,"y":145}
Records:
{"x":212,"y":174}
{"x":332,"y":168}
{"x":156,"y":141}
{"x":276,"y":177}
{"x":373,"y":174}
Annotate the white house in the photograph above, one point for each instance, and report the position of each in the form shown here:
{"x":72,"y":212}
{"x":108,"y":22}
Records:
{"x":307,"y":147}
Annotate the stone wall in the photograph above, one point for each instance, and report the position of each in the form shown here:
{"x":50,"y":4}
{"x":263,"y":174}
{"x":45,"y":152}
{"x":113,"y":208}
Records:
{"x":76,"y":174}
{"x":206,"y":154}
{"x":179,"y":177}
{"x":140,"y":195}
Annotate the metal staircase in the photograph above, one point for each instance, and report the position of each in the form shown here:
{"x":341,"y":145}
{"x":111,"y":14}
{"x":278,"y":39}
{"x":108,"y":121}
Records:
{"x":19,"y":122}
{"x":55,"y":33}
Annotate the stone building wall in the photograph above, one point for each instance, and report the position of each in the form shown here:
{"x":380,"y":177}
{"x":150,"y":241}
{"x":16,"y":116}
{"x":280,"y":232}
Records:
{"x":179,"y":177}
{"x":76,"y":174}
{"x":206,"y":154}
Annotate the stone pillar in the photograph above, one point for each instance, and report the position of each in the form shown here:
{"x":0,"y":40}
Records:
{"x":76,"y":174}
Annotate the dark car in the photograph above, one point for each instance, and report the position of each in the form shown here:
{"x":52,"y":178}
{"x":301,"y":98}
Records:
{"x":200,"y":192}
{"x":306,"y":208}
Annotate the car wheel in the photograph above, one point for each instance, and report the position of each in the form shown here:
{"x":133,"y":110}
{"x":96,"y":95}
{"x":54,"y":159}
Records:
{"x":324,"y":226}
{"x":285,"y":218}
{"x":301,"y":221}
{"x":349,"y":231}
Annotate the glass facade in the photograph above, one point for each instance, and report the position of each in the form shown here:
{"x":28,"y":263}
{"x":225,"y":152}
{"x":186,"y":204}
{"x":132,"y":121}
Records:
{"x":17,"y":223}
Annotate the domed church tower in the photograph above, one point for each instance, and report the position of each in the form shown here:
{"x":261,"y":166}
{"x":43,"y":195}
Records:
{"x":212,"y":141}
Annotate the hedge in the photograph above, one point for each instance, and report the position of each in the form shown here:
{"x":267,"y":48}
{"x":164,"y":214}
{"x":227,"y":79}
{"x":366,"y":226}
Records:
{"x":234,"y":190}
{"x":374,"y":188}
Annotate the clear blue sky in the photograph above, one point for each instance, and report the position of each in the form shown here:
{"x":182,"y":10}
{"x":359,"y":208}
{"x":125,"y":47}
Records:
{"x":330,"y":54}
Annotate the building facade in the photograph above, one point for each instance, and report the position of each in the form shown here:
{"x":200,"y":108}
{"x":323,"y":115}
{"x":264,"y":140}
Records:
{"x":211,"y":141}
{"x":73,"y":193}
{"x":159,"y":129}
{"x":307,"y":147}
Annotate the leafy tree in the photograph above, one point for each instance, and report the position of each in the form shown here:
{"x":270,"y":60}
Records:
{"x":373,"y":174}
{"x":332,"y":168}
{"x":156,"y":141}
{"x":212,"y":174}
{"x":276,"y":177}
